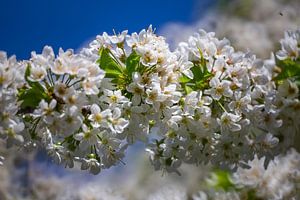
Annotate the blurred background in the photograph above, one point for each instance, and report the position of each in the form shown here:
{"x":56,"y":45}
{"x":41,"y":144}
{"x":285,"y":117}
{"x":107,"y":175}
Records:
{"x":251,"y":25}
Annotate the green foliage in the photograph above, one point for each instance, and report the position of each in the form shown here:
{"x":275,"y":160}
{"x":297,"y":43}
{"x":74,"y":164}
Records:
{"x":120,"y":73}
{"x":250,"y":195}
{"x":221,"y":180}
{"x":109,"y":64}
{"x":188,"y":89}
{"x":132,"y":63}
{"x":200,"y":80}
{"x":289,"y":69}
{"x":31,"y":97}
{"x":201,"y":76}
{"x":184,"y":79}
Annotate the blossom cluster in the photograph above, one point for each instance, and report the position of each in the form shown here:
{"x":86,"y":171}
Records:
{"x":278,"y":181}
{"x":11,"y":78}
{"x":201,"y":103}
{"x":232,"y":107}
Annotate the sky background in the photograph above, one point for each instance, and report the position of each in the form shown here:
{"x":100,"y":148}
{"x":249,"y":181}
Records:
{"x":29,"y":25}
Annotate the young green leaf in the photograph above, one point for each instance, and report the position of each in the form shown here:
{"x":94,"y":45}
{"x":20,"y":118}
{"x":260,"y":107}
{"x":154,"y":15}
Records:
{"x":132,"y":63}
{"x":289,"y":69}
{"x":109,"y":64}
{"x":32,"y":96}
{"x":220,"y":180}
{"x":200,"y":80}
{"x":184,"y":79}
{"x":188,"y":89}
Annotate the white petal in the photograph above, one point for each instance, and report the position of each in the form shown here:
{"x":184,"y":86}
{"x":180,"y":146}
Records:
{"x":52,"y":104}
{"x":95,"y":109}
{"x":235,"y":127}
{"x":79,"y":136}
{"x":116,"y":113}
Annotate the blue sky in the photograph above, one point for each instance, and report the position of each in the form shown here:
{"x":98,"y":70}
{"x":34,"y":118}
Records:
{"x":31,"y":24}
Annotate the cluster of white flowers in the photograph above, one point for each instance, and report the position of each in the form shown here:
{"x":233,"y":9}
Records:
{"x":231,"y":107}
{"x":290,"y":45}
{"x":287,"y":97}
{"x":149,"y":78}
{"x":82,"y":112}
{"x":280,"y":180}
{"x":257,"y":179}
{"x":67,"y":116}
{"x":11,"y":78}
{"x":202,"y":103}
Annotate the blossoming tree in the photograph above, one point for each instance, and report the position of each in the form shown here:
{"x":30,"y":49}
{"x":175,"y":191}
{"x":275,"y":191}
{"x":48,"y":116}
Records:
{"x":202,"y":103}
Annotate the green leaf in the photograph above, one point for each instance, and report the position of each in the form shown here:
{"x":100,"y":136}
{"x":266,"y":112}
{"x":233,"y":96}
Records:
{"x":289,"y":69}
{"x":132,"y":63}
{"x":251,"y":195}
{"x":184,"y":79}
{"x":109,"y":64}
{"x":200,"y":80}
{"x":188,"y":89}
{"x":198,"y":72}
{"x":32,"y":96}
{"x":112,"y":73}
{"x":221,"y":180}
